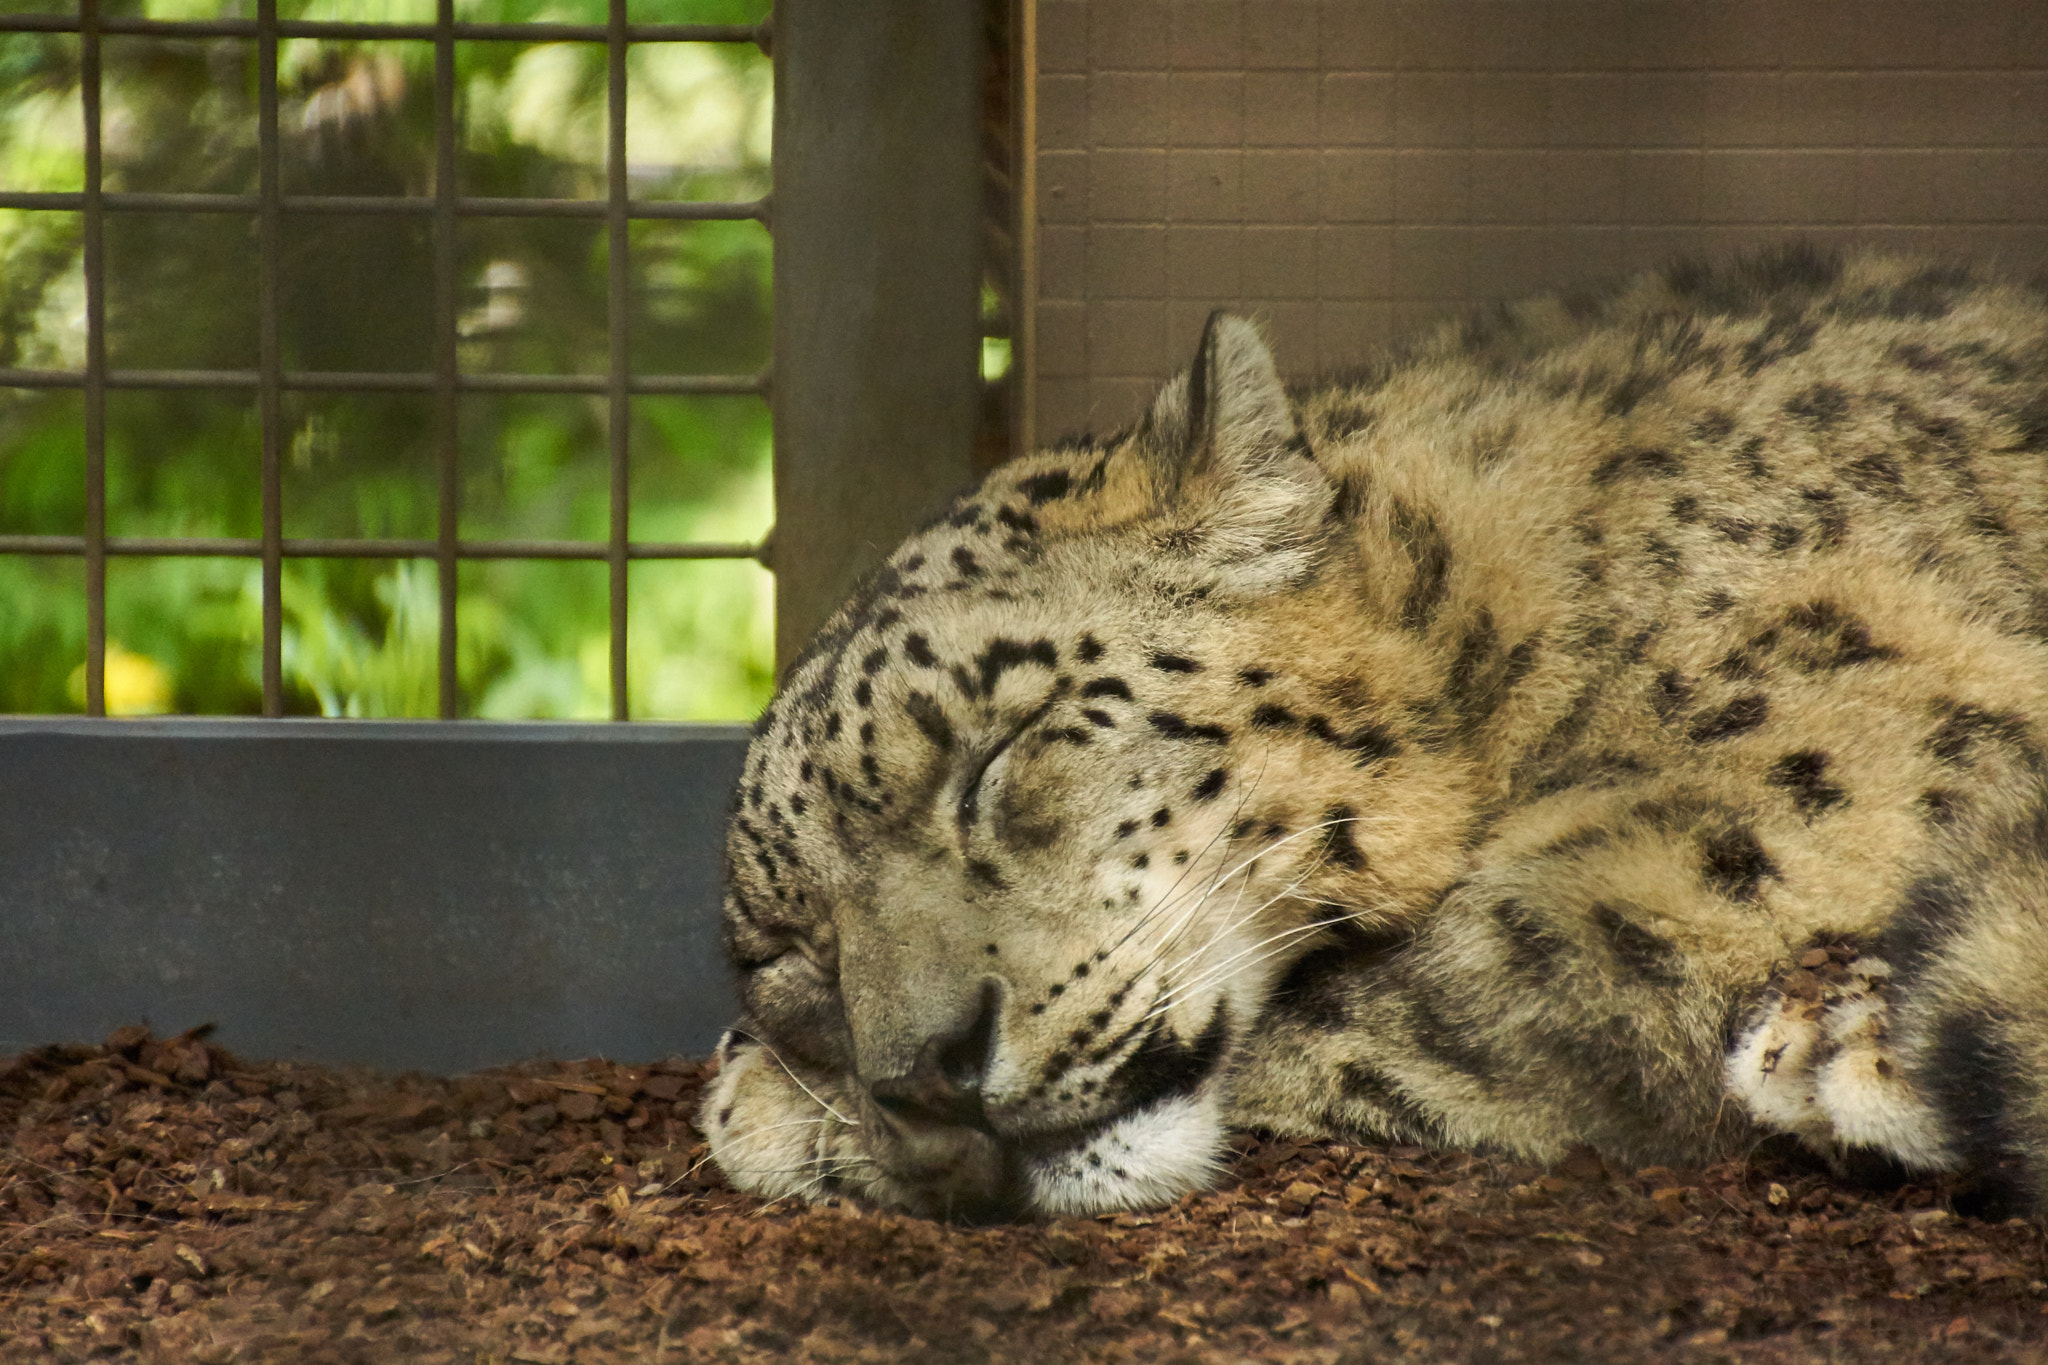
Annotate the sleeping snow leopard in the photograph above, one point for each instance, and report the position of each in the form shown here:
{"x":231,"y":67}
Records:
{"x":1618,"y":720}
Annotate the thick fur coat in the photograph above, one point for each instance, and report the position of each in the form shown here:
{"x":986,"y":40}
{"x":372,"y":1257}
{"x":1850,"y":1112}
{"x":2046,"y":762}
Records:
{"x":1616,"y":721}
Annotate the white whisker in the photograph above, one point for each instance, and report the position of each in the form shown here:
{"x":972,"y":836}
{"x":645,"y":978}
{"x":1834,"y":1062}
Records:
{"x":798,"y":1080}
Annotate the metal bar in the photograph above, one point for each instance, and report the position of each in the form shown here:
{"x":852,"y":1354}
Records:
{"x":894,"y":201}
{"x":474,"y":206}
{"x":249,"y":547}
{"x":351,"y":31}
{"x":349,"y":381}
{"x":446,"y":448}
{"x":619,"y":326}
{"x":270,"y":360}
{"x":1024,"y":227}
{"x":95,"y":377}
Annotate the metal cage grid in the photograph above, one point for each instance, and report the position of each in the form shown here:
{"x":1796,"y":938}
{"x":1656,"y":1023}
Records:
{"x":446,"y":382}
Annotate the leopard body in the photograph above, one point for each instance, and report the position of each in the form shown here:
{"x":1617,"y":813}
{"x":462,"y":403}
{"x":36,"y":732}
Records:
{"x":1616,"y":720}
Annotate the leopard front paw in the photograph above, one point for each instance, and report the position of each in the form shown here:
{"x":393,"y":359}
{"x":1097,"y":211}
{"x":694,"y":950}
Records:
{"x":1815,"y":1059}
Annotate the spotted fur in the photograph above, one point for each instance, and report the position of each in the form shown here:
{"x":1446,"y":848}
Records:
{"x":1618,"y":720}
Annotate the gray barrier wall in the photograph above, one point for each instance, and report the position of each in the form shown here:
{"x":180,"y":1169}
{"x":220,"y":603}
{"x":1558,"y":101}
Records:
{"x":403,"y":894}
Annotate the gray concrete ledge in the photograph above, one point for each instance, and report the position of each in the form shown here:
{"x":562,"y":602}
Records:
{"x":431,"y":895}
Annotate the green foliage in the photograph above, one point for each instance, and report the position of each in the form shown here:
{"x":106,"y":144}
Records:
{"x":356,"y":293}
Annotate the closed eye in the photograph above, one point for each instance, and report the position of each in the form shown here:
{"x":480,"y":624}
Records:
{"x":970,"y":790}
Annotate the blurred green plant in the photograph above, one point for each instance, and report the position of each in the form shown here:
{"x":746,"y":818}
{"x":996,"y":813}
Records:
{"x":357,"y":118}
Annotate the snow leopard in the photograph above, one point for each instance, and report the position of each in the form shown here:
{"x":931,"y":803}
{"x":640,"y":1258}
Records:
{"x":1615,"y":720}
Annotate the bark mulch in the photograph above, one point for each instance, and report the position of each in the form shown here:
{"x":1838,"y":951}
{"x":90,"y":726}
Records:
{"x":163,"y":1200}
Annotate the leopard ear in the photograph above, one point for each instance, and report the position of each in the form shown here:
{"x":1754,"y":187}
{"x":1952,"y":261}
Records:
{"x":1239,"y":484}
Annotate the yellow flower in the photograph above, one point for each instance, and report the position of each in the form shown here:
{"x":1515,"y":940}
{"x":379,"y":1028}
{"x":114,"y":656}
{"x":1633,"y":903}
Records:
{"x":137,"y":685}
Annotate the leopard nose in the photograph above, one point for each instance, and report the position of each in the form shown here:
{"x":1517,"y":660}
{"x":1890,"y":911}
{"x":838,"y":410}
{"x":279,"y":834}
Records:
{"x":944,"y":1085}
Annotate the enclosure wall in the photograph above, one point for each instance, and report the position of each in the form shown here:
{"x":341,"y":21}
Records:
{"x":1352,"y":170}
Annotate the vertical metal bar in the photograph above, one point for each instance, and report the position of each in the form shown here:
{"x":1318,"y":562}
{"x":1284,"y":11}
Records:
{"x":1024,"y":239}
{"x":878,"y":263}
{"x":95,"y":370}
{"x":446,"y":259}
{"x":619,"y":321}
{"x":269,"y":361}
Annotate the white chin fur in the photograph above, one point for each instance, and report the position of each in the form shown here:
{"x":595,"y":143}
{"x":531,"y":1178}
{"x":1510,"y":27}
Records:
{"x":1141,"y":1161}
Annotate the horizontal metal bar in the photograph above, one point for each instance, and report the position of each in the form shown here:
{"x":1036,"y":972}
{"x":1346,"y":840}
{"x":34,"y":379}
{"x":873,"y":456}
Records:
{"x":249,"y":547}
{"x":473,"y":206}
{"x":347,"y":381}
{"x":756,"y":34}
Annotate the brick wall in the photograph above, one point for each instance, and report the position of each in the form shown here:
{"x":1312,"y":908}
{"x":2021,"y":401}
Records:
{"x":1349,"y":170}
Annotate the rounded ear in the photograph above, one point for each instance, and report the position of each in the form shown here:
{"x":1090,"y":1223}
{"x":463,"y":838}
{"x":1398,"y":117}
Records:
{"x":1244,"y":490}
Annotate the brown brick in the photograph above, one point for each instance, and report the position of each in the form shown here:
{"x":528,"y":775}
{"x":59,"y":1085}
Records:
{"x":1280,"y":34}
{"x":1205,"y":34}
{"x":1987,"y":39}
{"x":1507,"y":186}
{"x":2030,"y":184}
{"x":2030,"y":109}
{"x":1185,"y":318}
{"x":1357,"y":186}
{"x":1976,"y":185}
{"x":1584,"y":255}
{"x":1127,"y":108}
{"x":1820,"y":108}
{"x":1887,"y":33}
{"x":1062,"y":112}
{"x":1120,"y":399}
{"x":1127,"y":184}
{"x":1511,"y":111}
{"x":1127,"y":336}
{"x":1208,"y":108}
{"x":1290,"y":325}
{"x":1740,"y":109}
{"x":1507,"y":35}
{"x":1742,"y":187}
{"x":1585,"y":187}
{"x":1348,"y":332}
{"x":1741,"y":34}
{"x":1354,"y":263}
{"x":1433,"y":109}
{"x":1819,"y":186}
{"x":1062,"y":36}
{"x":1432,"y":186}
{"x":1664,"y":109}
{"x":1280,"y":109}
{"x":1934,"y":108}
{"x":1826,"y":33}
{"x":1357,"y":109}
{"x":1204,"y":186}
{"x":1279,"y":262}
{"x":1062,"y":340}
{"x":1127,"y":35}
{"x":1062,"y":187}
{"x":1507,"y":263}
{"x":1588,"y":35}
{"x":1662,"y":187}
{"x":1062,"y":262}
{"x":1280,"y":186}
{"x":1430,"y":262}
{"x":1589,"y":110}
{"x":1126,"y":262}
{"x":1063,"y":408}
{"x":1204,"y":260}
{"x":1359,"y":35}
{"x":1434,"y":35}
{"x":1894,"y":187}
{"x":1667,"y":36}
{"x":2030,"y":36}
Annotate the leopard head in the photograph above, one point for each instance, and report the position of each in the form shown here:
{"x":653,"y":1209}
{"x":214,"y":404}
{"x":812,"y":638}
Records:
{"x":1034,"y":825}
